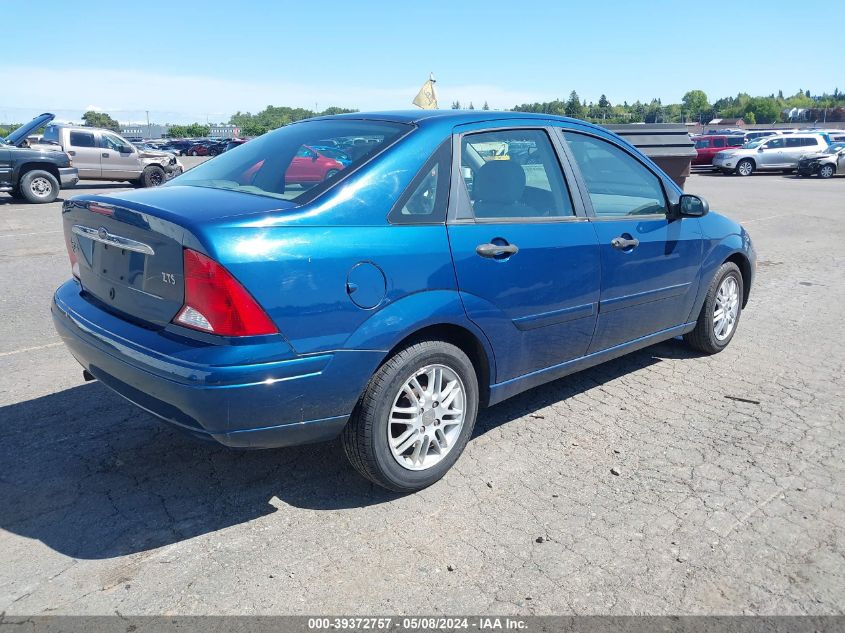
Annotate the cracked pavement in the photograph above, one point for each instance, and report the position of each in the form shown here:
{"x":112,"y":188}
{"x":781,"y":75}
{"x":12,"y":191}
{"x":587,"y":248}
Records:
{"x":729,"y":498}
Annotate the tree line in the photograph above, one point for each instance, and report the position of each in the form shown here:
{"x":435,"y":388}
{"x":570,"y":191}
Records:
{"x":695,"y":106}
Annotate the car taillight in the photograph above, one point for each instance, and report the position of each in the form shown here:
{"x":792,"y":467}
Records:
{"x":71,"y":253}
{"x":216,"y":303}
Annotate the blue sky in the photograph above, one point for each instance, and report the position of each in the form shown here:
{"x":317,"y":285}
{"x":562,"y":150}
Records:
{"x":187,"y":61}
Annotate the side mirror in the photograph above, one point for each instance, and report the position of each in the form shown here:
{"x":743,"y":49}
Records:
{"x":126,"y":149}
{"x":690,"y":206}
{"x":760,"y":149}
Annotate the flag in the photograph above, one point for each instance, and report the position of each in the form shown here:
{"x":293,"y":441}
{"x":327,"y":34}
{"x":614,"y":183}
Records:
{"x":427,"y":97}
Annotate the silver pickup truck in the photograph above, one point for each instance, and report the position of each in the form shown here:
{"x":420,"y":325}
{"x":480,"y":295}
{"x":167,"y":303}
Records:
{"x":105,"y":155}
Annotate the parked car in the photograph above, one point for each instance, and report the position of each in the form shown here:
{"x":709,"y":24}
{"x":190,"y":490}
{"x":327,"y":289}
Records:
{"x":177,"y":147}
{"x":105,"y":155}
{"x":333,"y":153}
{"x":310,"y":166}
{"x":755,"y":134}
{"x":233,"y":143}
{"x":36,"y":175}
{"x":707,"y":146}
{"x":774,"y":153}
{"x":388,"y":303}
{"x":206,"y":148}
{"x":825,"y":164}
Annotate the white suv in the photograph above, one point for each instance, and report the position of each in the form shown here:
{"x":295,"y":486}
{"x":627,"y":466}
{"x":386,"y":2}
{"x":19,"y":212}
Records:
{"x":771,"y":153}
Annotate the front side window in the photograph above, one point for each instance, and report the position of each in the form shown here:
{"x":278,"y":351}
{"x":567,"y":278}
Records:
{"x":82,"y":139}
{"x":514,"y":174}
{"x":702,"y":143}
{"x":719,"y":142}
{"x":281,"y":163}
{"x":618,"y":184}
{"x":110,"y":141}
{"x":775,"y":143}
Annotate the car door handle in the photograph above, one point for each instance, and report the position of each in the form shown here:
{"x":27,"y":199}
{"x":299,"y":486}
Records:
{"x":105,"y":154}
{"x":496,"y":250}
{"x":623,"y":243}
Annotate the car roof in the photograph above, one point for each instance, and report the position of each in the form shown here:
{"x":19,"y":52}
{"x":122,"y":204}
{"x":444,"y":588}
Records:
{"x":454,"y":117}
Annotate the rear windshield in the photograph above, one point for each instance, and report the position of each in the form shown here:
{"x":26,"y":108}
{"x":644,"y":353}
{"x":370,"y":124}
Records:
{"x":284,"y":164}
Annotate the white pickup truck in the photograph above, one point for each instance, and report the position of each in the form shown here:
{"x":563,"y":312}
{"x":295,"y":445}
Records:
{"x":105,"y":155}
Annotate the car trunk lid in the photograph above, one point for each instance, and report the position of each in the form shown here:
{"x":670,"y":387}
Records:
{"x":129,"y":261}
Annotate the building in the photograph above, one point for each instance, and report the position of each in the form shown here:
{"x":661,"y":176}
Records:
{"x":224,"y":130}
{"x":142,"y":130}
{"x":734,"y":123}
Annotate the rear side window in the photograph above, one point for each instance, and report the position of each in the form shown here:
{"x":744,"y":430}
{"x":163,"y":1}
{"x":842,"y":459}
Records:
{"x":810,"y":141}
{"x":82,"y":139}
{"x":618,"y":184}
{"x":719,"y":142}
{"x":514,"y":174}
{"x":426,"y":198}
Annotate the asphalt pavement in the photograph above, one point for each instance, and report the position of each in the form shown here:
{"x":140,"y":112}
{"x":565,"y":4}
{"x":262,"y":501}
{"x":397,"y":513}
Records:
{"x":728,"y":498}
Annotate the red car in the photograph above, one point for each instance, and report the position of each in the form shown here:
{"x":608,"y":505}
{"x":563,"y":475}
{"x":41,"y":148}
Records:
{"x":708,"y":145}
{"x":310,"y":166}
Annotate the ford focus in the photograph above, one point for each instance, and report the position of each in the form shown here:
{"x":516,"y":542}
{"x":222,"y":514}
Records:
{"x":454,"y":260}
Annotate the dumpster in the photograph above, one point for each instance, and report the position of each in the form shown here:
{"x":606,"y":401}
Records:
{"x":667,"y":144}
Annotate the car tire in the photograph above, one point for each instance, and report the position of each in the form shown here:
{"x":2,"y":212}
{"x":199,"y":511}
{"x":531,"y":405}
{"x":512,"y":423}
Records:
{"x":374,"y":438}
{"x":788,"y":172}
{"x":745,"y":167}
{"x":153,"y":176}
{"x":39,"y":187}
{"x":725,"y":294}
{"x":193,"y":153}
{"x":826,"y":171}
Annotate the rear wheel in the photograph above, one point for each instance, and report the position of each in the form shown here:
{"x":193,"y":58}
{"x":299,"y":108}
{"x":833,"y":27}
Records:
{"x":826,"y":171}
{"x":153,"y":176}
{"x":39,"y":186}
{"x":720,"y":313}
{"x":745,"y":167}
{"x":415,"y":417}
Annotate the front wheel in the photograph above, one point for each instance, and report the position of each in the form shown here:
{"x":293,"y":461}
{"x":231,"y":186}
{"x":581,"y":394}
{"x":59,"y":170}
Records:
{"x":745,"y":167}
{"x":720,"y":313}
{"x":39,"y":187}
{"x":826,"y":171}
{"x":153,"y":176}
{"x":415,"y":417}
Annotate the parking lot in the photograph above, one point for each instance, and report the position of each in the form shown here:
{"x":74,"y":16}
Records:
{"x":728,"y":498}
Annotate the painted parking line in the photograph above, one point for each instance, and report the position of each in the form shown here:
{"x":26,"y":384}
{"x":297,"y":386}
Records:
{"x":30,"y":349}
{"x":25,"y":234}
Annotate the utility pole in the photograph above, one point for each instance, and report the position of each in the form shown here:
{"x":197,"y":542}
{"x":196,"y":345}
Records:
{"x":149,"y":129}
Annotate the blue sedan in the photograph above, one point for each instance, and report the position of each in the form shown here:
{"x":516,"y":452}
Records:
{"x":458,"y":259}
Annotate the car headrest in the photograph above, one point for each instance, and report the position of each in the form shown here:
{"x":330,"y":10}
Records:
{"x":499,"y":181}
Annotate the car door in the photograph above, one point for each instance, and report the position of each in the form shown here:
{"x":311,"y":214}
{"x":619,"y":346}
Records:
{"x":771,"y":155}
{"x":649,"y":263}
{"x":119,"y":158}
{"x":5,"y":167}
{"x":719,"y":143}
{"x":525,"y":255}
{"x":85,"y":153}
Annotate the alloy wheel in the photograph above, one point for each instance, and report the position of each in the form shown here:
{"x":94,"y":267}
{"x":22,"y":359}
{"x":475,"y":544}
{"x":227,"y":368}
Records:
{"x":744,"y":168}
{"x":726,"y":310}
{"x":427,"y":417}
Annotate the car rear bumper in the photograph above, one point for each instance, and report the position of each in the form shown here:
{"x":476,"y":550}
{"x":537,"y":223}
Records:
{"x":212,"y":390}
{"x":68,"y":176}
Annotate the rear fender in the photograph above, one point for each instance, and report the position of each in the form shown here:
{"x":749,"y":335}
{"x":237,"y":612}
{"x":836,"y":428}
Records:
{"x":399,"y":320}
